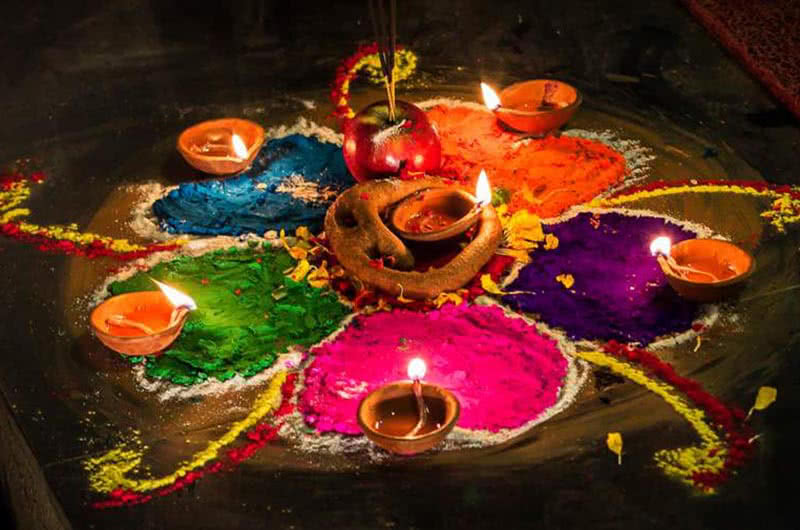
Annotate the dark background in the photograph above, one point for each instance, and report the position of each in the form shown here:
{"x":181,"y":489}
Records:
{"x":78,"y":69}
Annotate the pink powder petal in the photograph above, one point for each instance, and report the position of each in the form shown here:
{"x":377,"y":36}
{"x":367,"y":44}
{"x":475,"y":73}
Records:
{"x":503,"y":372}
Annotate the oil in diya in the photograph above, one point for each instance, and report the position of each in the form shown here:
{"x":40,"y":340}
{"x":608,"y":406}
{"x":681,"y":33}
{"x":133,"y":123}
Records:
{"x":535,"y":107}
{"x":703,"y":270}
{"x":221,"y":147}
{"x":142,"y":323}
{"x":435,"y":214}
{"x":408,"y":417}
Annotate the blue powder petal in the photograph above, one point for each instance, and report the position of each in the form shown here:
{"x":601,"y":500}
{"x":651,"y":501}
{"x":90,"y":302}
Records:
{"x":619,"y":292}
{"x":236,"y":205}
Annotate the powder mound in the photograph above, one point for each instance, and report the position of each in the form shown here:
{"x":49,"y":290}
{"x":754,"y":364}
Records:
{"x":619,"y":291}
{"x":503,"y":372}
{"x":292,"y":182}
{"x":247,"y":313}
{"x":546,"y":176}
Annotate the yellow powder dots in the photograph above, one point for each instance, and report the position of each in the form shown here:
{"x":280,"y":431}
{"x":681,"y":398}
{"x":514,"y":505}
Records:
{"x":405,"y":65}
{"x":785,"y":208}
{"x":683,"y":463}
{"x":17,"y":192}
{"x":110,"y":471}
{"x":14,"y":195}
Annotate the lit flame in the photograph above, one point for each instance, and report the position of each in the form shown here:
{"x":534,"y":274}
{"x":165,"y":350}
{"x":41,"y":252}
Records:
{"x":490,"y":97}
{"x":660,"y":245}
{"x":175,"y":297}
{"x":416,"y":369}
{"x":238,"y":146}
{"x":483,"y":191}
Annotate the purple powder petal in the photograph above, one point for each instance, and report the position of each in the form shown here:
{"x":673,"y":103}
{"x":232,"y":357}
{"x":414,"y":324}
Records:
{"x":619,"y":292}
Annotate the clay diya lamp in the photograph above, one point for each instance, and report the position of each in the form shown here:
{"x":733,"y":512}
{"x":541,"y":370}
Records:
{"x":221,"y":147}
{"x":535,"y":107}
{"x":703,"y":270}
{"x":408,"y":417}
{"x":435,"y":214}
{"x":141,"y":323}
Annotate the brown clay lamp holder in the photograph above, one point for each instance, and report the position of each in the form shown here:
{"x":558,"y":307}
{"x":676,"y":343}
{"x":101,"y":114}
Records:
{"x":207,"y":146}
{"x":706,"y":270}
{"x":537,"y":106}
{"x":460,"y":208}
{"x":140,"y":323}
{"x":357,"y":236}
{"x":373,"y":411}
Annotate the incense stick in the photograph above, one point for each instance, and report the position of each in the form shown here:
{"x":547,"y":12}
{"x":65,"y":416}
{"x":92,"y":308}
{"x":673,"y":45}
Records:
{"x":386,"y":38}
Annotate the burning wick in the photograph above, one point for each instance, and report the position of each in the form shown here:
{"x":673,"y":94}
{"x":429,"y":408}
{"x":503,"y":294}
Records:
{"x":416,"y":371}
{"x":483,"y":191}
{"x":660,"y":248}
{"x":490,"y":97}
{"x":238,"y":146}
{"x":182,"y":304}
{"x":216,"y":141}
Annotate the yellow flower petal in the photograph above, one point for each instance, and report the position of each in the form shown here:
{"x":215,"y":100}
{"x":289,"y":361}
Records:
{"x":297,"y":253}
{"x":445,"y":298}
{"x":489,"y":285}
{"x":766,"y":397}
{"x":300,"y":271}
{"x":566,"y":280}
{"x":550,"y":242}
{"x":401,"y":298}
{"x":614,"y":443}
{"x":319,"y":277}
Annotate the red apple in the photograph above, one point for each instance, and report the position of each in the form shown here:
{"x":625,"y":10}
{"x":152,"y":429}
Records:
{"x":376,"y":147}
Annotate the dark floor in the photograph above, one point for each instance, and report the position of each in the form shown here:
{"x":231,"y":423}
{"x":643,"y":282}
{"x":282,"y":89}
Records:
{"x":76,"y":70}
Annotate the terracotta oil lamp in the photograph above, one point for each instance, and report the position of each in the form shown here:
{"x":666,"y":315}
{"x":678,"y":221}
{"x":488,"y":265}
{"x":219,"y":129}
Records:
{"x":408,"y":417}
{"x":221,"y":147}
{"x":436,"y":214}
{"x":535,"y":107}
{"x":703,"y":270}
{"x":141,"y":323}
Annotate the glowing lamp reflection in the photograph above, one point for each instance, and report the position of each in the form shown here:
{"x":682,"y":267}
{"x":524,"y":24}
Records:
{"x":238,"y":146}
{"x":416,"y":369}
{"x":490,"y":97}
{"x":483,"y":191}
{"x":660,"y":245}
{"x":175,"y":297}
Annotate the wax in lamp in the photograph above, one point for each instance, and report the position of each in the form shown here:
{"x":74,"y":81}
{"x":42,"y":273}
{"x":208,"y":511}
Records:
{"x":536,"y":107}
{"x":143,"y":322}
{"x":435,"y":214}
{"x":408,"y":417}
{"x":221,"y":147}
{"x":703,"y":270}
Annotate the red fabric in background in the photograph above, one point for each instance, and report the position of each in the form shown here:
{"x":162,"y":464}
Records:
{"x":762,"y":34}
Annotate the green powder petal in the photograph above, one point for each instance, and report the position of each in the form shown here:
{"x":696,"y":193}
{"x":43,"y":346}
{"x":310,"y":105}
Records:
{"x":239,"y":327}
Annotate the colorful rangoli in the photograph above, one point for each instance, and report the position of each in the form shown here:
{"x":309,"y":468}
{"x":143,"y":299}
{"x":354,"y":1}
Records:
{"x":589,"y":275}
